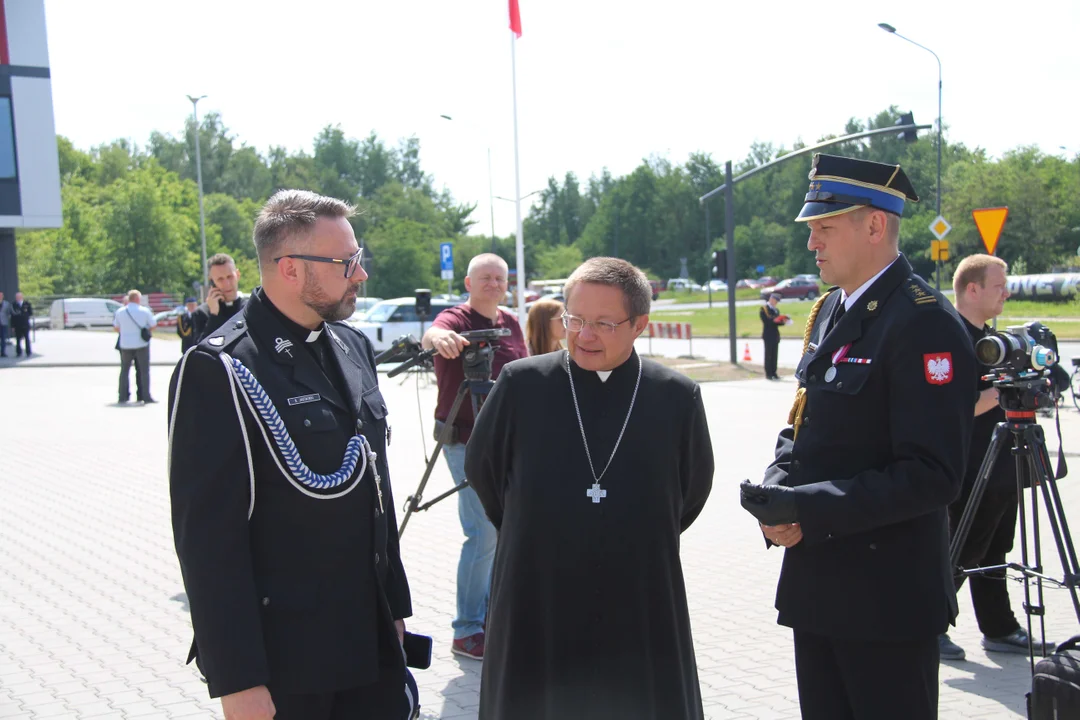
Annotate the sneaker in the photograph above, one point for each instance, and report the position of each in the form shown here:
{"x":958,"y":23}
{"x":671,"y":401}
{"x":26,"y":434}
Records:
{"x":470,"y":647}
{"x":149,"y":401}
{"x":1015,"y":642}
{"x":948,"y":650}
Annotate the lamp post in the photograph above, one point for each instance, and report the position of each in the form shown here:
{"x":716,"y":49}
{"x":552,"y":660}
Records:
{"x":891,"y":30}
{"x":198,"y":176}
{"x":491,"y":202}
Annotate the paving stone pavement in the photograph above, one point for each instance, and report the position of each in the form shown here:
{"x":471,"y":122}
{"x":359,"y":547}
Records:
{"x":93,"y":619}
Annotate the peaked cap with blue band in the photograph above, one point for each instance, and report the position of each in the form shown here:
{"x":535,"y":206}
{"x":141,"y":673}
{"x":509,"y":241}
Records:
{"x":839,"y":185}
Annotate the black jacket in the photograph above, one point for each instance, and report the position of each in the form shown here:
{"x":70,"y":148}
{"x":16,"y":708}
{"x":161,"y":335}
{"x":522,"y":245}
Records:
{"x":21,"y":314}
{"x":185,"y":330}
{"x":302,"y":594}
{"x":769,"y":329}
{"x":879,"y":456}
{"x":206,"y":323}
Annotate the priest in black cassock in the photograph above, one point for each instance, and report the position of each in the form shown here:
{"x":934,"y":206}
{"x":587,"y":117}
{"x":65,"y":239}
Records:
{"x":591,"y":463}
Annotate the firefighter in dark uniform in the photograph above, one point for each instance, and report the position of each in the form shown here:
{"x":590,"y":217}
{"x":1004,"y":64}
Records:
{"x":875,"y":453}
{"x":771,"y":320}
{"x":185,"y":327}
{"x":289,"y":553}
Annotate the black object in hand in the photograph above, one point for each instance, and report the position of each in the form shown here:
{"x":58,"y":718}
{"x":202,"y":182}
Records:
{"x":770,"y":504}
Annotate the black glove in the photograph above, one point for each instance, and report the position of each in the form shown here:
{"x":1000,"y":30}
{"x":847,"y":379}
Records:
{"x":770,"y":504}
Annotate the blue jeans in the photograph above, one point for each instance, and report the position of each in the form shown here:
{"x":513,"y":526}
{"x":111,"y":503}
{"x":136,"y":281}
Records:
{"x":477,"y":553}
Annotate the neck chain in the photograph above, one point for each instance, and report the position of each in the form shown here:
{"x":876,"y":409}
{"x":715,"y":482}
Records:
{"x":596,"y":493}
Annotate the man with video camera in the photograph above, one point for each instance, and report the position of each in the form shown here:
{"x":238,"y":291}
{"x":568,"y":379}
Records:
{"x":486,"y":283}
{"x":980,"y":287}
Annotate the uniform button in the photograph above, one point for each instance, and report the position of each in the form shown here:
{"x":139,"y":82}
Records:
{"x":359,"y":425}
{"x":839,"y":384}
{"x":376,"y":558}
{"x":873,"y":546}
{"x":813,"y":378}
{"x":795,"y":465}
{"x":806,"y":420}
{"x":265,"y":601}
{"x":307,"y":423}
{"x":829,"y":536}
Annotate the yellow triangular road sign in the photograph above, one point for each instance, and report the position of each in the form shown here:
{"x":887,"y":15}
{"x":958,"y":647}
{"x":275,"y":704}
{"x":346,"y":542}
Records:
{"x":990,"y":221}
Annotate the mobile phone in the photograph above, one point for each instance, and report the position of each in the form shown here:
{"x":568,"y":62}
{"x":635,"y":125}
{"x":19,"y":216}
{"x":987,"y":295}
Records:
{"x":417,"y":651}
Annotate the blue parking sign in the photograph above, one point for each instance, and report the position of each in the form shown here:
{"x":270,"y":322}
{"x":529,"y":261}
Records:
{"x":446,"y":254}
{"x":760,"y":269}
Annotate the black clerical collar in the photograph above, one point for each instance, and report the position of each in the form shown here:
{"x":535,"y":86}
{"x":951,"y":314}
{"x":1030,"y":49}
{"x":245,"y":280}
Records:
{"x":298,"y":331}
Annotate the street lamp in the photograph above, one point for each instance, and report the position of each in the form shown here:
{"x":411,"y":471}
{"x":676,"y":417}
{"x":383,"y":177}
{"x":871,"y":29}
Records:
{"x":890,"y":29}
{"x":198,"y":176}
{"x":534,"y":192}
{"x":491,"y":202}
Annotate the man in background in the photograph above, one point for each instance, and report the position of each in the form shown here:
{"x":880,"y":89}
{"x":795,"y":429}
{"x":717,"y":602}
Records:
{"x":980,"y":287}
{"x":5,"y":324}
{"x":130,"y":321}
{"x":21,"y":313}
{"x":486,"y":282}
{"x":771,"y":320}
{"x":222,"y":302}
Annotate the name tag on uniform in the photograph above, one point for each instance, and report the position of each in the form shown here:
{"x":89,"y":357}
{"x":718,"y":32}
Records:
{"x":303,"y":399}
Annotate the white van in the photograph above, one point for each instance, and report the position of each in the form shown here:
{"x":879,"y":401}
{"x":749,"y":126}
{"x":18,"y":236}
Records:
{"x":390,"y":319}
{"x":82,"y":313}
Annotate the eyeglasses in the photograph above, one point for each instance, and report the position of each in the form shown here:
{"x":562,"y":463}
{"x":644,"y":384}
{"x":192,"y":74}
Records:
{"x":350,"y":265}
{"x":575,"y":324}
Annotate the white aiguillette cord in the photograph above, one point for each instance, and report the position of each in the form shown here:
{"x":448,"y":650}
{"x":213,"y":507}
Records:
{"x":581,"y":425}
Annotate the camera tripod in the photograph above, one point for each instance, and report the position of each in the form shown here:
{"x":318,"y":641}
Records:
{"x":476,"y":390}
{"x":1020,"y":399}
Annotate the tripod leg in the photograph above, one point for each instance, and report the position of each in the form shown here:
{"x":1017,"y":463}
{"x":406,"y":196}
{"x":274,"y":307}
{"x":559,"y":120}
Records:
{"x":963,"y":529}
{"x":448,"y":428}
{"x":1056,"y":515}
{"x":1021,"y":455}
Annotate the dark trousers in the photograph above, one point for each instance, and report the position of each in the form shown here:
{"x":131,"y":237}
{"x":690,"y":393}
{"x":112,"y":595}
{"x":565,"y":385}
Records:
{"x":384,"y":700}
{"x":141,"y":358}
{"x":22,"y":335}
{"x":772,"y":347}
{"x":991,"y":538}
{"x":3,"y":340}
{"x":866,"y":680}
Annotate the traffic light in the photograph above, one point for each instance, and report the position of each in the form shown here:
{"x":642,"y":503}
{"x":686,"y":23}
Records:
{"x":423,"y":303}
{"x":719,"y":266}
{"x":909,"y":136}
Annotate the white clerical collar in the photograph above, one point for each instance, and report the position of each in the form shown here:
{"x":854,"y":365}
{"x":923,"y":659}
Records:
{"x":314,"y":334}
{"x":604,"y":374}
{"x":851,"y":299}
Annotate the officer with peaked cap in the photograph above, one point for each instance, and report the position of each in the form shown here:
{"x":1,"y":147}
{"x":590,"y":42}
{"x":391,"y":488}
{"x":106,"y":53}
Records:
{"x":874,"y":453}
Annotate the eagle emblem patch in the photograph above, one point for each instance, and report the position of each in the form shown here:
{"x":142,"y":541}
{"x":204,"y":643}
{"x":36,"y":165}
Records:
{"x":938,"y":368}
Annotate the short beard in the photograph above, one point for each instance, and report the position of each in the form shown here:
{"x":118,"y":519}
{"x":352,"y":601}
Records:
{"x":329,"y":310}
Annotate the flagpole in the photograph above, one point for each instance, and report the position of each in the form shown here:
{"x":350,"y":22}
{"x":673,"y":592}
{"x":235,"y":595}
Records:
{"x":517,"y":190}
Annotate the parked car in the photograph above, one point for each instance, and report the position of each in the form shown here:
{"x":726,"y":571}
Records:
{"x":683,"y":284}
{"x":762,"y":282}
{"x":390,"y":319}
{"x":744,"y":283}
{"x":717,"y":285}
{"x":793,"y":288}
{"x":807,"y":276}
{"x":84,"y":313}
{"x":166,"y":318}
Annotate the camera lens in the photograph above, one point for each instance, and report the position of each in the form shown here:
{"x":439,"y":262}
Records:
{"x":990,"y":350}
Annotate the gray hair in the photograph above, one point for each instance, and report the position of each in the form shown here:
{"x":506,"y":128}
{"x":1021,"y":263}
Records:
{"x":615,"y":273}
{"x":289,"y":213}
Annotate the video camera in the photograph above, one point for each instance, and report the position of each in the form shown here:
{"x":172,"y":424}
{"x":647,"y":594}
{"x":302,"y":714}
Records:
{"x":476,"y":358}
{"x":1021,"y":348}
{"x":1020,"y":361}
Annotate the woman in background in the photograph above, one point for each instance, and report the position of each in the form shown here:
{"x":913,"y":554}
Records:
{"x":544,"y":328}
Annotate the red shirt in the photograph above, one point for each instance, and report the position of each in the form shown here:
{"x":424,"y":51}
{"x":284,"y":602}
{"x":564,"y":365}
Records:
{"x":450,"y":374}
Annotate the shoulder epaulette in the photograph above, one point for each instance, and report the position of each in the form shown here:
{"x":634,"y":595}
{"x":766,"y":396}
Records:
{"x":224,"y":336}
{"x":919,"y":292}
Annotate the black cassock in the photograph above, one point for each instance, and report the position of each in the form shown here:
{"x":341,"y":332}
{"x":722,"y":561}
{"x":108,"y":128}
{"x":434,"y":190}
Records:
{"x":588,"y":614}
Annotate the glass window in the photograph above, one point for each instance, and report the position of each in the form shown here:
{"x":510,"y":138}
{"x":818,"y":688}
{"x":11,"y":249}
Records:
{"x":7,"y":140}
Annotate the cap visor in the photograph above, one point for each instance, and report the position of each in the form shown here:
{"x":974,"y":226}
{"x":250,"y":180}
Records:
{"x":819,"y":210}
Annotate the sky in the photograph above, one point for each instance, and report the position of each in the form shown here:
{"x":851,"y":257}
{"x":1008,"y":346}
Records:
{"x":599,"y":83}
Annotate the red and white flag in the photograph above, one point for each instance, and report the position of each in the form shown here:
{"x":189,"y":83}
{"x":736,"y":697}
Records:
{"x":515,"y":17}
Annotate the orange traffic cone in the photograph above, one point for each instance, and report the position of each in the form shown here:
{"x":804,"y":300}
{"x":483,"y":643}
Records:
{"x":746,"y":354}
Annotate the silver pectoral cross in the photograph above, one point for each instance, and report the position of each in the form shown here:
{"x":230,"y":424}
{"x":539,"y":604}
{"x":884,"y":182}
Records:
{"x":596,"y":493}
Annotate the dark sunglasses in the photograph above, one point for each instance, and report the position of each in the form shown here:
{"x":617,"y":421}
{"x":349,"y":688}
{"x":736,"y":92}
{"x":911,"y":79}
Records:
{"x":350,"y":265}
